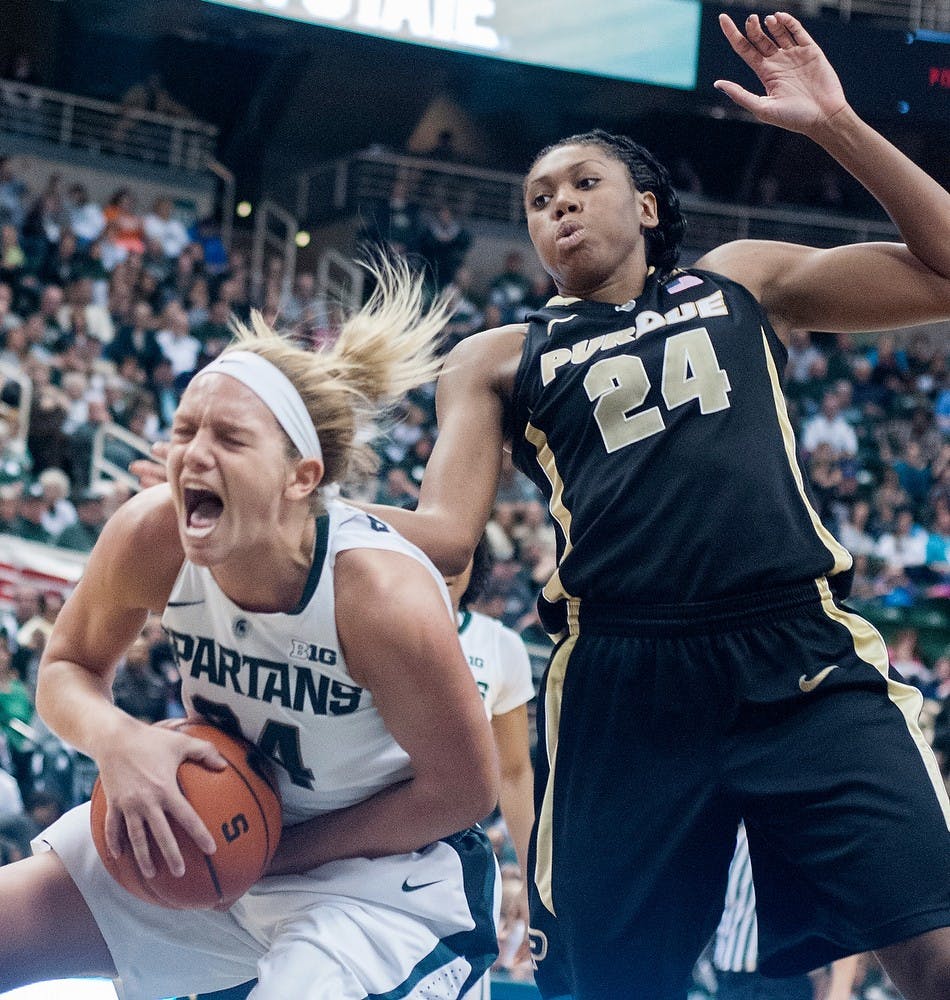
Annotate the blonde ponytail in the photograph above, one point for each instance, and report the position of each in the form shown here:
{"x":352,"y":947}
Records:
{"x":383,"y":350}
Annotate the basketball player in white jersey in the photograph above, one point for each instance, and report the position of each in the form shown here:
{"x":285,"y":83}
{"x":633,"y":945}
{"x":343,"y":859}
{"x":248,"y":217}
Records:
{"x":502,"y":670}
{"x":328,"y":641}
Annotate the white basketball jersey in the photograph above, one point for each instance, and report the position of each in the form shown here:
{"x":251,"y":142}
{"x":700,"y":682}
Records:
{"x":498,"y":660}
{"x":281,"y":677}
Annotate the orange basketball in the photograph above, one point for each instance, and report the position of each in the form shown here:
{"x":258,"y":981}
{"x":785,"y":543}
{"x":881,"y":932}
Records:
{"x":240,"y":807}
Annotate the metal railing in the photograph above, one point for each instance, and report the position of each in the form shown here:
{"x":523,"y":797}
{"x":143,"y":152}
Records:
{"x":275,"y":231}
{"x":339,"y":279}
{"x":102,"y":468}
{"x":346,"y":184}
{"x":354,"y":184}
{"x":101,"y":127}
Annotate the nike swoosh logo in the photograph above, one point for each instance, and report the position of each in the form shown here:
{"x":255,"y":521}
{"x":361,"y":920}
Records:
{"x":406,"y":887}
{"x":807,"y":684}
{"x":183,"y":604}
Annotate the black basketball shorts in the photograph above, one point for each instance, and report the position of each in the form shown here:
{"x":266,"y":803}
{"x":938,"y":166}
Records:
{"x":661,"y":728}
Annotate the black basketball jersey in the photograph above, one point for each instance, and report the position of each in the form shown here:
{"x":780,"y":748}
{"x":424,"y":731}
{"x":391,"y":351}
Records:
{"x":658,"y":432}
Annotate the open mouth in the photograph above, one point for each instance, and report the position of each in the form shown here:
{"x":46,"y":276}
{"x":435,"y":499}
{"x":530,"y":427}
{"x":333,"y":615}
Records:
{"x":203,"y":508}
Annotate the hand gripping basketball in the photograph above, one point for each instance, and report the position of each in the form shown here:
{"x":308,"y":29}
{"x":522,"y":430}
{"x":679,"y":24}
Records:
{"x":241,"y":808}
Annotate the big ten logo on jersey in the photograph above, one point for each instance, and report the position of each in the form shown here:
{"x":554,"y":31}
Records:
{"x":300,"y":650}
{"x":275,"y":682}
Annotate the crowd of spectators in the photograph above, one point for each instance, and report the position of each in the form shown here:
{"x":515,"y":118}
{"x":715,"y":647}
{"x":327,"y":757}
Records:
{"x":107,"y":310}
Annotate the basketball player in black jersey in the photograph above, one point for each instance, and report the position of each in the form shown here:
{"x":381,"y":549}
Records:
{"x":706,"y":671}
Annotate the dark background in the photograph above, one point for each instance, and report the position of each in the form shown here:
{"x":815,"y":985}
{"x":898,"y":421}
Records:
{"x":288,"y":95}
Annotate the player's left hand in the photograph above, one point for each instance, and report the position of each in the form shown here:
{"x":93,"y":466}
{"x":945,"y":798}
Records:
{"x":802,"y":91}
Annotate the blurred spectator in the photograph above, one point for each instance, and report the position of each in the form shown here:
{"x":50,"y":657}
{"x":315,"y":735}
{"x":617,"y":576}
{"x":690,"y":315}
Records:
{"x":905,"y":545}
{"x":853,"y":529}
{"x":80,"y":300}
{"x":29,"y":520}
{"x":872,"y":399}
{"x":889,"y":496}
{"x":904,"y":653}
{"x":82,"y":442}
{"x":392,"y":226}
{"x":137,"y":340}
{"x":47,"y":443}
{"x":137,"y":688}
{"x":82,"y":535}
{"x":890,"y":363}
{"x":303,"y":306}
{"x":829,"y":427}
{"x":510,"y":289}
{"x":826,"y":478}
{"x":465,"y":318}
{"x":44,"y":808}
{"x":942,"y":411}
{"x":84,"y":216}
{"x":42,"y":226}
{"x":921,"y":356}
{"x":13,"y":195}
{"x":36,"y":630}
{"x":913,"y":473}
{"x":8,"y":318}
{"x":169,"y":232}
{"x":176,"y":340}
{"x":123,"y":222}
{"x":396,"y":489}
{"x":152,"y":95}
{"x":206,"y":233}
{"x":443,"y":242}
{"x":52,"y":299}
{"x":512,"y":929}
{"x":197,"y":297}
{"x":63,"y":263}
{"x":15,"y":463}
{"x":938,"y":542}
{"x":215,"y":333}
{"x":802,"y":354}
{"x":16,"y":705}
{"x":12,"y":255}
{"x":60,"y":512}
{"x":164,"y":392}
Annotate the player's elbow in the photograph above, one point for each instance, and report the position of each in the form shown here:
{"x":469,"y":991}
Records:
{"x":477,"y":791}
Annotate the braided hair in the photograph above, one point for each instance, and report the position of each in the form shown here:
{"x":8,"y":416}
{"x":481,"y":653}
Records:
{"x":663,"y":242}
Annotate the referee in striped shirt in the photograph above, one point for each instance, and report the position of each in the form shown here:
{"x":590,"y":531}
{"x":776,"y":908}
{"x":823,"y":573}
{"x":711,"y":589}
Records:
{"x":735,"y":949}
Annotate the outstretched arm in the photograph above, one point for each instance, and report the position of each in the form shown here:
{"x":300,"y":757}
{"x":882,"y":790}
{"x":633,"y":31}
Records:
{"x":865,"y":286}
{"x":461,"y":477}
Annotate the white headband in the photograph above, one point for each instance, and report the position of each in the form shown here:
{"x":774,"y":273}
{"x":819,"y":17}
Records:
{"x":275,"y":391}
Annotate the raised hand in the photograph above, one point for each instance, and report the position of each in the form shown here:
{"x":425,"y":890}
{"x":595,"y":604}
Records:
{"x":802,"y":91}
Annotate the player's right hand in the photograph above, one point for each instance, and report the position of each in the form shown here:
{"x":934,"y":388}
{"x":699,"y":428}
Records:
{"x":151,"y":471}
{"x":139,"y":776}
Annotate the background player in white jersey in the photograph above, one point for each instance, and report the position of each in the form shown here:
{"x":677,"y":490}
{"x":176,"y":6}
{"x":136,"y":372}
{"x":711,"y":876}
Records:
{"x":373,"y":889}
{"x":502,"y":670}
